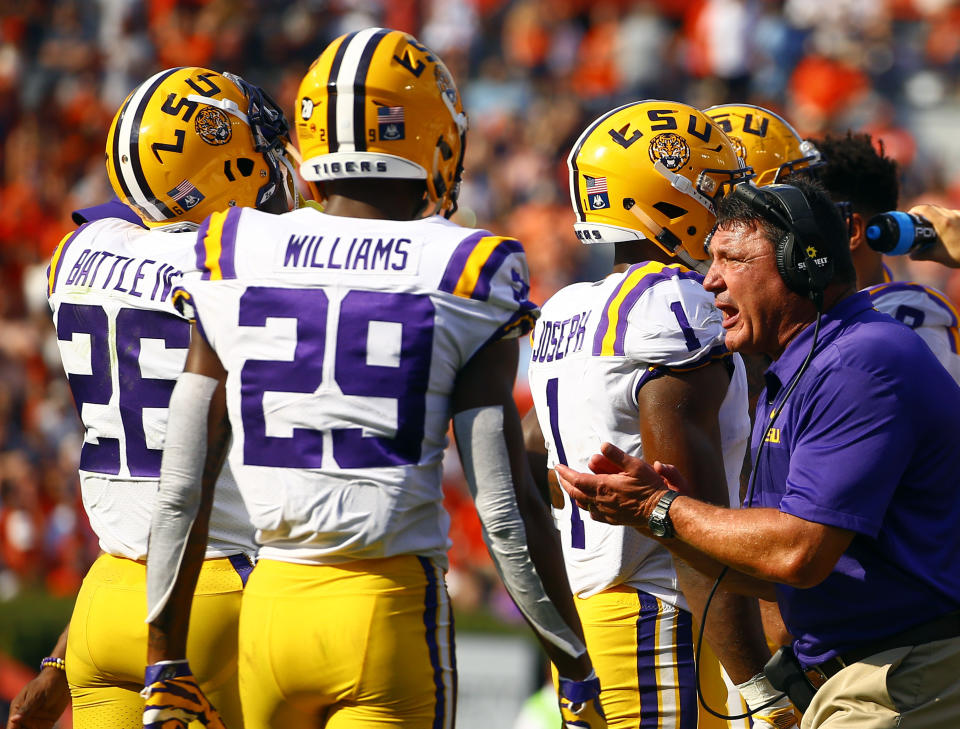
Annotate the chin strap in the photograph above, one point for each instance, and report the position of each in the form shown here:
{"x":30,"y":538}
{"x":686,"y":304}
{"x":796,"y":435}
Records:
{"x":293,"y":199}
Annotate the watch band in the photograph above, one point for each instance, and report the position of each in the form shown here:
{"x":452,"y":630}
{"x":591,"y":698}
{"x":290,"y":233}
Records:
{"x":659,"y":521}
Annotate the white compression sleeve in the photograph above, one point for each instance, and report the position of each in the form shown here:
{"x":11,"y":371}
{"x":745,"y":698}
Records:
{"x":486,"y":464}
{"x":178,"y":499}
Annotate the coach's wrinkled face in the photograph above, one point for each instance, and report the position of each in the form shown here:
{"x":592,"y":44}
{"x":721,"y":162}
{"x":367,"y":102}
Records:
{"x":760,"y":314}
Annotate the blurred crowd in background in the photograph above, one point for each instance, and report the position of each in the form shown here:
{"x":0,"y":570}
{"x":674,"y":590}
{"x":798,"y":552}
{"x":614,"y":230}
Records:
{"x":533,"y":74}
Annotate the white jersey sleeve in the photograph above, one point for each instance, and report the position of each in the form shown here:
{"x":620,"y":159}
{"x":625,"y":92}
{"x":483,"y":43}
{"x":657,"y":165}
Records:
{"x":660,"y":317}
{"x":123,"y":345}
{"x":342,"y":339}
{"x":593,"y":348}
{"x":928,"y":312}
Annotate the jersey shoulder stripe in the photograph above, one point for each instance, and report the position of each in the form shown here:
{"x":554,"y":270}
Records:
{"x":473,"y":264}
{"x":612,"y":329}
{"x":217,"y":244}
{"x":54,"y":269}
{"x":522,"y":322}
{"x":936,"y":296}
{"x":953,"y":332}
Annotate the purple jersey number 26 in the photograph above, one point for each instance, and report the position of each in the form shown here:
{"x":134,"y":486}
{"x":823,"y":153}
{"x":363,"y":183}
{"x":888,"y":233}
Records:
{"x":353,"y":373}
{"x":136,"y":392}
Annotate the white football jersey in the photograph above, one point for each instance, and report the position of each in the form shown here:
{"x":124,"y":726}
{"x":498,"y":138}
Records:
{"x":593,"y":348}
{"x":342,"y":339}
{"x":123,"y":345}
{"x":928,"y":312}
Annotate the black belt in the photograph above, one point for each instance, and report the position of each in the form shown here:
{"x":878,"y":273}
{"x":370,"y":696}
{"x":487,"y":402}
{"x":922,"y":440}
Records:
{"x":942,"y":628}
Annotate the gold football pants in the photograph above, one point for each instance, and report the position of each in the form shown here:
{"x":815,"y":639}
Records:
{"x":643,"y":652}
{"x":107,"y":642}
{"x":357,"y":645}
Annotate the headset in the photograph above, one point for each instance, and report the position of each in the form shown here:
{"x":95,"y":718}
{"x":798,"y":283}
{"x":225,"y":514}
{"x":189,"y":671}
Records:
{"x":803,"y":255}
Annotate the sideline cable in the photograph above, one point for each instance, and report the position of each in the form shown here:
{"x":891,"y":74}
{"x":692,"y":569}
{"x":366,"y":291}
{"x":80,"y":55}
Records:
{"x":774,"y":414}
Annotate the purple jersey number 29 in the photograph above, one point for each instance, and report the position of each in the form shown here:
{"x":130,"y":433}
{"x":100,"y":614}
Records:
{"x":353,"y":373}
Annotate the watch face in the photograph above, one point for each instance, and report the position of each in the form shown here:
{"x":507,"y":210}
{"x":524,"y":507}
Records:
{"x":657,"y":527}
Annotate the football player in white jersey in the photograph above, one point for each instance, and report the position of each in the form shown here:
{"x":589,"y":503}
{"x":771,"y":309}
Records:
{"x":638,"y":359}
{"x":186,"y":142}
{"x":857,"y":172}
{"x":336,"y":346}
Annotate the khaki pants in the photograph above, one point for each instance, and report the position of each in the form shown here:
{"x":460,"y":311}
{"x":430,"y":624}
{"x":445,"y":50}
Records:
{"x":905,"y":688}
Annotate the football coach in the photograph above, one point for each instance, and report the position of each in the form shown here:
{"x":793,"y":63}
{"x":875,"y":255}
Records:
{"x":852,"y":514}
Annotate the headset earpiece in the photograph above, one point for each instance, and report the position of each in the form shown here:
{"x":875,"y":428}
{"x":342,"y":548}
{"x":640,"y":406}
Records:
{"x":802,"y":255}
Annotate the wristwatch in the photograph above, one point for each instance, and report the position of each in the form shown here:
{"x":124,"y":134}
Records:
{"x":659,"y":521}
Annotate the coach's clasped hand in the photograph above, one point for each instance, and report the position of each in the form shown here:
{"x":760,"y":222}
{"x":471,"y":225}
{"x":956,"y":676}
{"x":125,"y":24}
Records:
{"x":580,"y":703}
{"x":622,"y":489}
{"x":174,"y":698}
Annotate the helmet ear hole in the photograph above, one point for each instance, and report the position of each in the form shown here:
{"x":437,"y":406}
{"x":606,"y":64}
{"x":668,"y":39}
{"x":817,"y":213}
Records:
{"x":670,"y":210}
{"x":445,"y":151}
{"x":245,"y":165}
{"x":439,"y":185}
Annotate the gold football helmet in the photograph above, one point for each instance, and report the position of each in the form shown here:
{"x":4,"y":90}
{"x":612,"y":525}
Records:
{"x":652,"y":170}
{"x":189,"y":142}
{"x":765,"y":141}
{"x":378,"y":103}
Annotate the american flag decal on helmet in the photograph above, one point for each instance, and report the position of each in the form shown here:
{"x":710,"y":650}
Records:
{"x":391,"y":122}
{"x":186,"y":194}
{"x":597,"y":198}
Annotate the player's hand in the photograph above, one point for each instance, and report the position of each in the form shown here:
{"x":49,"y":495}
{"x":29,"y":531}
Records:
{"x":174,"y":699}
{"x":946,"y":249}
{"x":41,"y":701}
{"x":773,"y":708}
{"x":580,"y":704}
{"x":781,"y":717}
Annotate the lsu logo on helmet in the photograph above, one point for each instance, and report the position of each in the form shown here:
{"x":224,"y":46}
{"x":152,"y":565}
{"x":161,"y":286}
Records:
{"x":213,"y":126}
{"x":765,"y":141}
{"x":670,"y":149}
{"x":378,"y":103}
{"x":652,"y":170}
{"x":190,"y":141}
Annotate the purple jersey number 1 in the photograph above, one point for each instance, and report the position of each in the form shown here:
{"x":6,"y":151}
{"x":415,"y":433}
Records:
{"x":577,"y":537}
{"x":693,"y":344}
{"x":406,"y":383}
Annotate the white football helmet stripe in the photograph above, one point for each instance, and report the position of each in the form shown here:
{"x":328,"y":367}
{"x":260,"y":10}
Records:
{"x":126,"y":152}
{"x":346,"y":81}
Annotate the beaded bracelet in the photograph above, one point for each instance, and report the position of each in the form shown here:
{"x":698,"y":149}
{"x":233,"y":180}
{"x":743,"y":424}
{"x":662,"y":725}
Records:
{"x":51,"y":662}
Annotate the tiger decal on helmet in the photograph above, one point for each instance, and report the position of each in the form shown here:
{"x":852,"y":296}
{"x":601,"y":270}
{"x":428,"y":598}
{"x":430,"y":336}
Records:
{"x":670,"y":149}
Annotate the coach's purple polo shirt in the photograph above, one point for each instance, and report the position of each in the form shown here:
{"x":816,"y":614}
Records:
{"x":868,"y":441}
